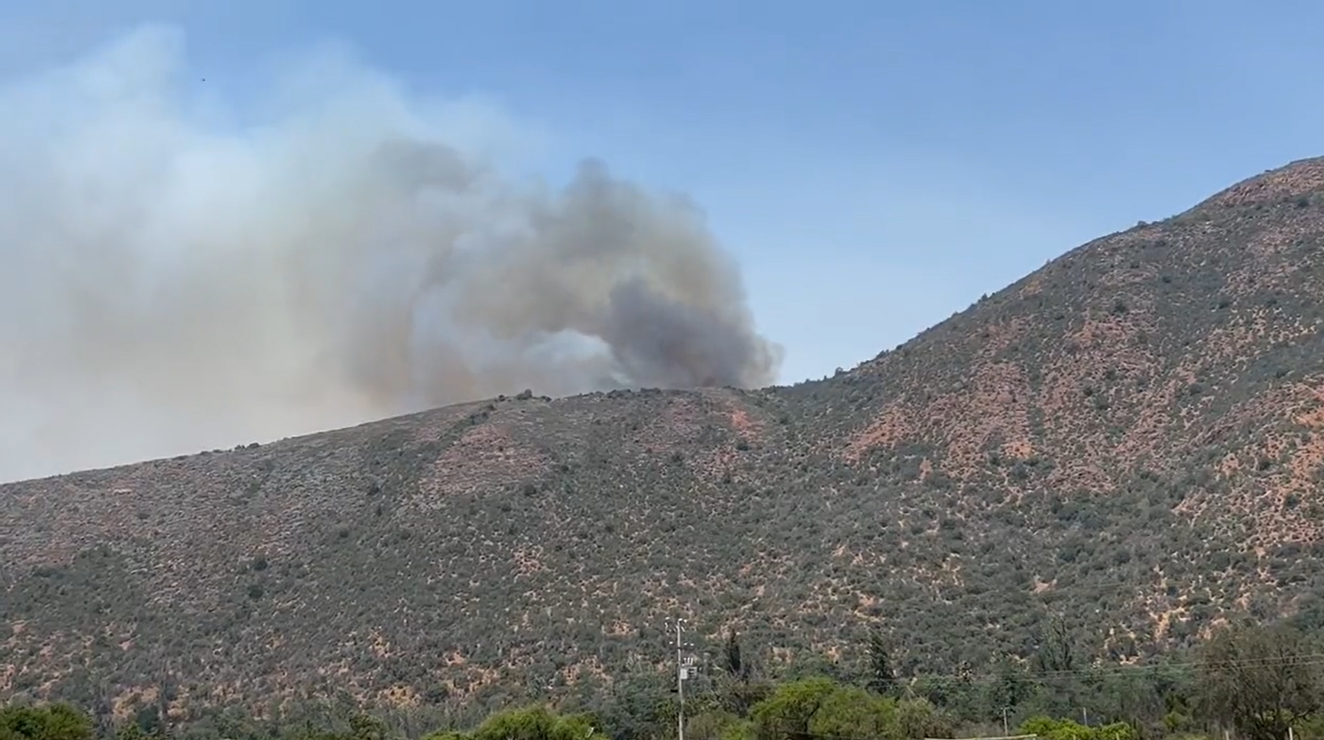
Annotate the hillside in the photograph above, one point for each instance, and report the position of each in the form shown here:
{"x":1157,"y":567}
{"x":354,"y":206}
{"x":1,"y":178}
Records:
{"x":1131,"y":437}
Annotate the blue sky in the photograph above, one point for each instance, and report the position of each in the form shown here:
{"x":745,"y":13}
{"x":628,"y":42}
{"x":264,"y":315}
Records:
{"x":875,"y":166}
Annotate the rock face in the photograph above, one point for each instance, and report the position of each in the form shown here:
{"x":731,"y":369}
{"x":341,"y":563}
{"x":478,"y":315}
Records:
{"x":1131,"y":438}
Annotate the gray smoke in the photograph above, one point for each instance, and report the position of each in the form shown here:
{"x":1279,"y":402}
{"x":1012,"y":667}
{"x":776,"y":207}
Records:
{"x":170,"y":283}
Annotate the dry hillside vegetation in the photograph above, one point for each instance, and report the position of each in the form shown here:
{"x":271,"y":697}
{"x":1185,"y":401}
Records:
{"x":1131,"y":437}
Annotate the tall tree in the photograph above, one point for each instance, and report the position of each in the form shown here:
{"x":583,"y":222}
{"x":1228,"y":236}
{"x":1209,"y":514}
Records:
{"x":1008,"y":688}
{"x":881,"y":678}
{"x":1260,"y":680}
{"x":733,"y":664}
{"x":739,"y":685}
{"x":1058,"y":668}
{"x":1056,"y":653}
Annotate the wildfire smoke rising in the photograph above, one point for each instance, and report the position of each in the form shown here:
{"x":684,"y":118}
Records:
{"x":169,"y":286}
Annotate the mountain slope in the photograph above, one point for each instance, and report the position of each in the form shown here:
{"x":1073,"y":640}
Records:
{"x":1131,"y":437}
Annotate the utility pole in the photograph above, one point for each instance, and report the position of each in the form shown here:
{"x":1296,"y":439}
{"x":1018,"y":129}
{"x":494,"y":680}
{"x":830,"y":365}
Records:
{"x":680,"y":684}
{"x":684,"y":671}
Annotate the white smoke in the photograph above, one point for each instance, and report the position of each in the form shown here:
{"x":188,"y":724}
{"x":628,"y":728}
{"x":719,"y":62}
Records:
{"x":170,"y":284}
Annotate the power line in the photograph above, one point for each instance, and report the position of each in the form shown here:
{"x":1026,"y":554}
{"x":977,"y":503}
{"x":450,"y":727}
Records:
{"x":1044,"y":678}
{"x":1105,"y":671}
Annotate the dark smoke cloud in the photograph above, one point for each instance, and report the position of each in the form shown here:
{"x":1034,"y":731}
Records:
{"x":170,"y":284}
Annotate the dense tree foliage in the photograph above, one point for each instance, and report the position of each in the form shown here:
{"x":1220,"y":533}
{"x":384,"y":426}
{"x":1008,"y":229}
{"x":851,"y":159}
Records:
{"x":53,"y":722}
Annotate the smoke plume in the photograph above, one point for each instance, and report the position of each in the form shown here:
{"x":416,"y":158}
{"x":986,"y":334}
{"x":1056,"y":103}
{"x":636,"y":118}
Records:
{"x":171,"y":284}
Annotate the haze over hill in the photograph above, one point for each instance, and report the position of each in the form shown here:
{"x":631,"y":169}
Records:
{"x":1130,"y":439}
{"x":172,"y":281}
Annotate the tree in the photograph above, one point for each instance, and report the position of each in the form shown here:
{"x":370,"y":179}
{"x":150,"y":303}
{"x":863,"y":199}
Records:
{"x":788,"y":712}
{"x":881,"y":676}
{"x":1057,"y":666}
{"x":1259,"y":680}
{"x":732,"y":663}
{"x":1067,"y":729}
{"x":822,"y":708}
{"x":1056,"y":653}
{"x":738,"y":686}
{"x":918,"y":718}
{"x":536,"y":723}
{"x":852,"y":712}
{"x":366,"y":727}
{"x":51,"y":722}
{"x":130,"y":731}
{"x":148,"y":720}
{"x":1008,"y":689}
{"x":713,"y":725}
